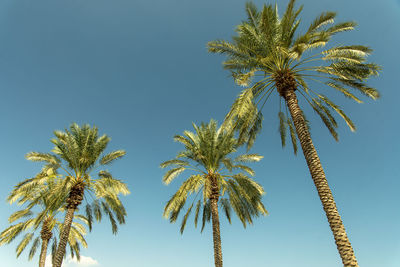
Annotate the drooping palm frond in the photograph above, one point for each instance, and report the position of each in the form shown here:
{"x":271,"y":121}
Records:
{"x":110,"y":157}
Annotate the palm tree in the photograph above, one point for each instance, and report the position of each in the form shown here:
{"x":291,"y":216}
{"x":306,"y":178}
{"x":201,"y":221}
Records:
{"x":45,"y":219}
{"x":207,"y":154}
{"x":267,"y":46}
{"x":77,"y":153}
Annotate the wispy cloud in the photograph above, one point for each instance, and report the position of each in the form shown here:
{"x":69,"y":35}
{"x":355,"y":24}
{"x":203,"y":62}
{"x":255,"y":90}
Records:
{"x":73,"y":262}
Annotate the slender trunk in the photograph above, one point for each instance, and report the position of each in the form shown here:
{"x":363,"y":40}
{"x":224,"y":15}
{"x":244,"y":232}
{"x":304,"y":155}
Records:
{"x":64,"y":237}
{"x":215,"y":222}
{"x":317,"y":173}
{"x":43,"y":252}
{"x":45,"y":235}
{"x":74,"y":200}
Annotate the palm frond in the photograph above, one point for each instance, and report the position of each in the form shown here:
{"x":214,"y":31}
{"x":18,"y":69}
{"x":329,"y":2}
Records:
{"x":341,"y":27}
{"x":176,"y":162}
{"x":20,"y":214}
{"x":282,"y":127}
{"x":292,"y":135}
{"x":24,"y":242}
{"x":339,"y":111}
{"x":324,"y":19}
{"x":226,"y":208}
{"x":184,"y":220}
{"x":172,"y":174}
{"x":206,"y":215}
{"x":110,"y":157}
{"x":34,"y":247}
{"x":248,"y":158}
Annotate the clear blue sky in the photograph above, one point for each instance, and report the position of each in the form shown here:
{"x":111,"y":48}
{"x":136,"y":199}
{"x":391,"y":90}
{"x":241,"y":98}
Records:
{"x":140,"y":71}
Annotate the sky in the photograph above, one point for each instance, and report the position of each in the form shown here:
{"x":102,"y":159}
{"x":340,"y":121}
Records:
{"x":140,"y":71}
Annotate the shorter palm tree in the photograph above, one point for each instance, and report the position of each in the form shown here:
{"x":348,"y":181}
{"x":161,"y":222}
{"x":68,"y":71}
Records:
{"x":78,"y":152}
{"x":216,"y":178}
{"x":44,"y":222}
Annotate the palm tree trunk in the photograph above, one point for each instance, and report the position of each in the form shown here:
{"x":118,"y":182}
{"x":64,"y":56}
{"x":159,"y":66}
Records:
{"x":43,"y":252}
{"x":64,"y":237}
{"x":74,"y":200}
{"x":317,"y":173}
{"x":45,"y":235}
{"x":215,"y":222}
{"x":216,"y":233}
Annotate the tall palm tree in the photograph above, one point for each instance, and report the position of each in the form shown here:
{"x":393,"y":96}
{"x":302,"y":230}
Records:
{"x":268,"y":47}
{"x":207,"y":154}
{"x":77,"y":153}
{"x":45,"y":219}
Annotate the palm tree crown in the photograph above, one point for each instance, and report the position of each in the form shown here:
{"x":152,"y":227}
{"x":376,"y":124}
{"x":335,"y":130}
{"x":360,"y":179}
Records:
{"x":207,"y":153}
{"x":268,"y":46}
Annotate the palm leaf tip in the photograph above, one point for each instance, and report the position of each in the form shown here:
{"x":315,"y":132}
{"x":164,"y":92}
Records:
{"x":324,"y":19}
{"x":112,"y":156}
{"x":249,"y":158}
{"x":172,"y":174}
{"x":282,"y":128}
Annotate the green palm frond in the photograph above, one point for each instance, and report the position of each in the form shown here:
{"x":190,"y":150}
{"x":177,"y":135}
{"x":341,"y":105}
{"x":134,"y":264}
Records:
{"x":249,"y":158}
{"x":206,"y":215}
{"x":227,"y":208}
{"x":34,"y":247}
{"x":42,"y":157}
{"x":174,"y":162}
{"x":24,"y":242}
{"x":244,"y":168}
{"x":184,"y":220}
{"x":343,"y":90}
{"x":197,"y":213}
{"x":339,"y":111}
{"x":323,"y":19}
{"x":53,"y":250}
{"x":293,"y":136}
{"x":19,"y":214}
{"x":110,"y":157}
{"x":97,"y":210}
{"x":89,"y":216}
{"x":107,"y":185}
{"x":341,"y":27}
{"x":282,"y":127}
{"x":325,"y":120}
{"x":10,"y":233}
{"x":172,"y":173}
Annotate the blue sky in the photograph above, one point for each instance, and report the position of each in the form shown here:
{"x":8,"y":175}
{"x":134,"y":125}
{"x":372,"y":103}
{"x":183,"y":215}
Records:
{"x":140,"y":71}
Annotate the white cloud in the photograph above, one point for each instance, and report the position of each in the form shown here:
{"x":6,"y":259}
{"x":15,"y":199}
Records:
{"x":73,"y":262}
{"x":48,"y":261}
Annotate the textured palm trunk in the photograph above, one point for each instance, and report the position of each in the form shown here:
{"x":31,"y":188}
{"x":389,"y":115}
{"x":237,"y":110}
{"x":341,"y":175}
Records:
{"x":317,"y":173}
{"x":216,"y":233}
{"x":43,"y":252}
{"x":45,"y":235}
{"x":215,"y":222}
{"x":64,"y":237}
{"x":74,"y":200}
